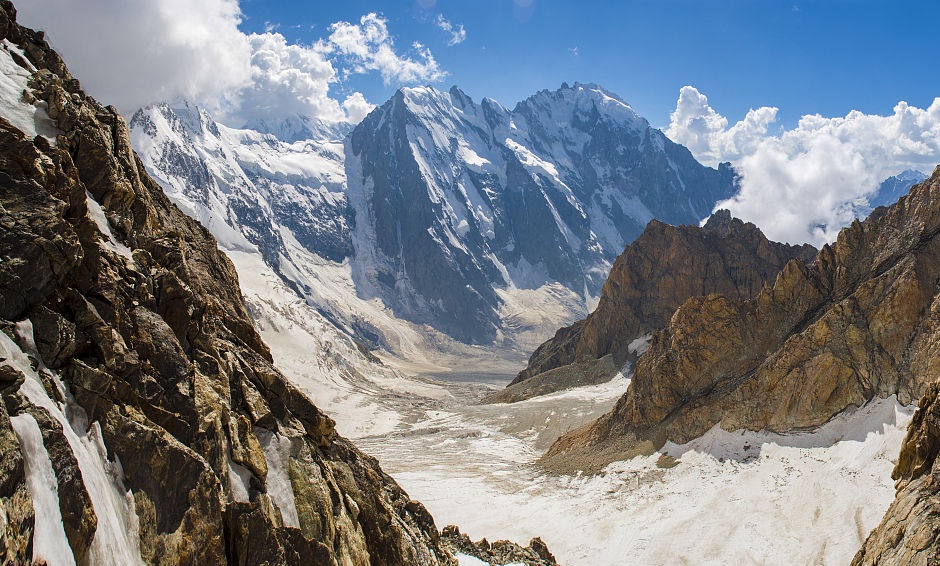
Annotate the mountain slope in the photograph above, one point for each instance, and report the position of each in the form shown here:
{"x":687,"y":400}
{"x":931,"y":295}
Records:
{"x":857,"y":324}
{"x":142,"y":419}
{"x":654,"y":275}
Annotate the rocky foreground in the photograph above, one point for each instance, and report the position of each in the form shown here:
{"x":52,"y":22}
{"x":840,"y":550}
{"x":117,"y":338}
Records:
{"x":663,"y":268}
{"x":130,"y":365}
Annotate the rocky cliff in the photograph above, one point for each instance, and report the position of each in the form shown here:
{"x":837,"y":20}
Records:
{"x":861,"y":322}
{"x":910,"y":530}
{"x":653,"y":276}
{"x":142,"y":418}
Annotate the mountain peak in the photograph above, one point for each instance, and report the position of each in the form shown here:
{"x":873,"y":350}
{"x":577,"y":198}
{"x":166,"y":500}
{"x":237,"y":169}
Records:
{"x":582,"y":100}
{"x":300,"y":127}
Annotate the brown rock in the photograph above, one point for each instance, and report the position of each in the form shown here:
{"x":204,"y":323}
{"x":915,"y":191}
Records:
{"x":498,"y":552}
{"x":909,"y":533}
{"x":861,"y":322}
{"x":161,"y":353}
{"x":663,"y":268}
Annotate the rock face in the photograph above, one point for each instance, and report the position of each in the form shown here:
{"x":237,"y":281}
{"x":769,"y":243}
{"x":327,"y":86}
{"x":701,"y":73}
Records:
{"x":861,"y":322}
{"x":497,"y":552}
{"x":127,"y":346}
{"x":663,"y":268}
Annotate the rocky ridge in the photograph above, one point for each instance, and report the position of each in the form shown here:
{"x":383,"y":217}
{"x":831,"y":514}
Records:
{"x":131,"y":372}
{"x":861,"y":322}
{"x":653,"y":276}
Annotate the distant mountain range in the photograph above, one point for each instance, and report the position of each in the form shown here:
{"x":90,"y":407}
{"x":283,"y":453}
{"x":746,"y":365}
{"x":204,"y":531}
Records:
{"x":484,"y":224}
{"x":895,"y":187}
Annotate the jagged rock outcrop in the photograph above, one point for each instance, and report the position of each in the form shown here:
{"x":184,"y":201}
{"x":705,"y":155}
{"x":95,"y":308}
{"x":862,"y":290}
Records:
{"x":861,"y":322}
{"x":498,"y":552}
{"x":653,"y":276}
{"x":910,"y":530}
{"x":129,"y":366}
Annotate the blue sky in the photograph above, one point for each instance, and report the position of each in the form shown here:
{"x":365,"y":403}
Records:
{"x":805,"y":58}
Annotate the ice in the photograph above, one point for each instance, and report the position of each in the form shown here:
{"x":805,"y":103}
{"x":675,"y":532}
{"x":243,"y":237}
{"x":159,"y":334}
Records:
{"x":238,"y":477}
{"x":116,"y":534}
{"x":277,"y":453}
{"x":748,"y":497}
{"x":49,"y":541}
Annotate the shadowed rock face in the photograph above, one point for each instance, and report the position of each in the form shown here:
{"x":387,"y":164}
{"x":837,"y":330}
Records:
{"x":654,"y":275}
{"x":861,"y":322}
{"x":147,"y":328}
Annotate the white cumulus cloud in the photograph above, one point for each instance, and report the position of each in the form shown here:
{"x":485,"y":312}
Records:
{"x":368,"y":46}
{"x":457,"y":32}
{"x":286,"y":80}
{"x":132,"y":53}
{"x":806,"y":183}
{"x":135,"y":52}
{"x":357,"y":107}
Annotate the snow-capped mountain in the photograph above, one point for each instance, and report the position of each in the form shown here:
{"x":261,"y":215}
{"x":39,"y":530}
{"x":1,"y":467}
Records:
{"x":895,"y":187}
{"x":455,"y":200}
{"x":479,"y":222}
{"x":300,"y":127}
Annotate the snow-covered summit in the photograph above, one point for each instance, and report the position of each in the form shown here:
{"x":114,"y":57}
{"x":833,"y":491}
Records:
{"x":301,"y":127}
{"x":455,"y":199}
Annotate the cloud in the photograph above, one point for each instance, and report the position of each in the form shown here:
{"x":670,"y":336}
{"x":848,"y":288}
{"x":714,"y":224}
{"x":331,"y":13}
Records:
{"x":286,"y":80}
{"x":357,"y":107}
{"x":697,"y":126}
{"x":457,"y":33}
{"x":132,"y":53}
{"x":136,"y":52}
{"x":806,"y":183}
{"x":369,"y":47}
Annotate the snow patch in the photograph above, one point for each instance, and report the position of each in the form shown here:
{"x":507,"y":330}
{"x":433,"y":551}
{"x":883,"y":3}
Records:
{"x":31,"y":119}
{"x":277,"y":453}
{"x":96,"y":213}
{"x":116,"y":537}
{"x":239,"y":477}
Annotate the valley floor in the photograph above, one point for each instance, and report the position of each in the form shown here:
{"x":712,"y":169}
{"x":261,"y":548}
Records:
{"x":743,"y":498}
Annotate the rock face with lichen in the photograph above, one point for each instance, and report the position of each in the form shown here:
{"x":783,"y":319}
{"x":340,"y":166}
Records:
{"x":861,"y":322}
{"x":654,"y":275}
{"x":133,"y":326}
